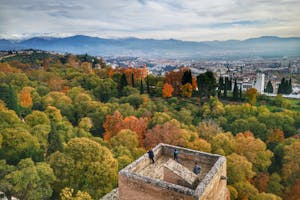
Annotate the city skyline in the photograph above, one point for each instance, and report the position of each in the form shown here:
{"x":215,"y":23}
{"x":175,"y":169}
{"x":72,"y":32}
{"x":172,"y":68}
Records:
{"x":183,"y":20}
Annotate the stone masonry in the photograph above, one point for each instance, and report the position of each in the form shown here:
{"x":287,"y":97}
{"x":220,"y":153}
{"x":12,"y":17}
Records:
{"x":167,"y":179}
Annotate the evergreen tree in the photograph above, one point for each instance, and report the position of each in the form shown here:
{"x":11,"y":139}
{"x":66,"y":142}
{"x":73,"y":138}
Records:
{"x":225,"y":90}
{"x":230,"y":84}
{"x":221,"y":82}
{"x":54,"y":140}
{"x":207,"y":84}
{"x":290,"y":87}
{"x":187,"y":77}
{"x":148,"y":85}
{"x":132,"y":80}
{"x":235,"y":91}
{"x":269,"y":87}
{"x":241,"y":93}
{"x":123,"y":80}
{"x":9,"y":96}
{"x":123,"y":83}
{"x":141,"y":87}
{"x":226,"y":83}
{"x":285,"y":86}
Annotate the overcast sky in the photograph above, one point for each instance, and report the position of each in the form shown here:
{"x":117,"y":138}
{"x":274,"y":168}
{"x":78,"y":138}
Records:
{"x":194,"y":20}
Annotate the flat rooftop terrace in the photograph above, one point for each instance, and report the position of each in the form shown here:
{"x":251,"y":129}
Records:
{"x":156,"y":170}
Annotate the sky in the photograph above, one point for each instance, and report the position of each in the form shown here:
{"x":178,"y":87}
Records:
{"x":190,"y":20}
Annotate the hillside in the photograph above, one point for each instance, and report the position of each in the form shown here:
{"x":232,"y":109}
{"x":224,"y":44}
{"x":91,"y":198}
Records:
{"x":69,"y":124}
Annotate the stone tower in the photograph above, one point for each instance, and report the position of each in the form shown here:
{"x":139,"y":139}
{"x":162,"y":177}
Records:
{"x":168,"y":179}
{"x":260,"y":83}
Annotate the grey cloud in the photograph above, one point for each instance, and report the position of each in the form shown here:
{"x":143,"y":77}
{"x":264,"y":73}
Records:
{"x":181,"y":19}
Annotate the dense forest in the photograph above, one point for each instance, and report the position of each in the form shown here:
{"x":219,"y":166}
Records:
{"x":69,"y":123}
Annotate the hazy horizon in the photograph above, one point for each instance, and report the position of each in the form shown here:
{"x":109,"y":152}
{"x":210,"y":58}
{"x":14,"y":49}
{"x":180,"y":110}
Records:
{"x":151,"y":19}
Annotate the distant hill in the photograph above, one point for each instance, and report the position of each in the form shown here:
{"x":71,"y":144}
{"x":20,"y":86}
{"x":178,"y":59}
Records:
{"x":266,"y":46}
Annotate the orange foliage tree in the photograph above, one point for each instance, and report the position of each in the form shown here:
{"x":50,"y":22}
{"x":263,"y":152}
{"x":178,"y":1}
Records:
{"x":6,"y":68}
{"x":261,"y":181}
{"x":110,"y":124}
{"x":175,"y":78}
{"x":115,"y":123}
{"x":25,"y":98}
{"x":167,"y":90}
{"x":168,"y":132}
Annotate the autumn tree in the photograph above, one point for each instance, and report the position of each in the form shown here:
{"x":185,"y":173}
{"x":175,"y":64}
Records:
{"x":69,"y":194}
{"x":168,"y":132}
{"x":251,"y":95}
{"x":85,"y":165}
{"x":186,"y":90}
{"x":167,"y":90}
{"x":25,"y":98}
{"x":254,"y":150}
{"x":175,"y":79}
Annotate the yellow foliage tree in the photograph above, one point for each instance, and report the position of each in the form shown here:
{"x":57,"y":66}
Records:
{"x":68,"y":194}
{"x":186,"y":90}
{"x":251,"y":95}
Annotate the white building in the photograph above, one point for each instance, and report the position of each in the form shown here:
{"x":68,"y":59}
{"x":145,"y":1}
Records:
{"x":259,"y":83}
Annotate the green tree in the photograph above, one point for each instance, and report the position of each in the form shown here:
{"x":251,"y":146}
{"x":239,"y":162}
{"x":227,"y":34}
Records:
{"x":141,"y":87}
{"x":235,"y":91}
{"x":54,"y":140}
{"x":106,"y":89}
{"x":9,"y":96}
{"x":206,"y":84}
{"x":85,"y":165}
{"x":269,"y":87}
{"x":123,"y":83}
{"x":148,"y":85}
{"x":29,"y":181}
{"x":187,"y":77}
{"x":17,"y":144}
{"x":132,"y":80}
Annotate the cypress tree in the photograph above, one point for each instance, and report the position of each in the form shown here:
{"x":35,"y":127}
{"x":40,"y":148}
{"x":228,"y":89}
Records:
{"x":225,"y":89}
{"x":290,"y":87}
{"x":132,"y":80}
{"x":269,"y":87}
{"x":123,"y":83}
{"x":148,"y":85}
{"x":186,"y":77}
{"x":235,"y":91}
{"x":123,"y":80}
{"x":230,"y":84}
{"x":221,"y":83}
{"x":141,"y":87}
{"x":241,"y":93}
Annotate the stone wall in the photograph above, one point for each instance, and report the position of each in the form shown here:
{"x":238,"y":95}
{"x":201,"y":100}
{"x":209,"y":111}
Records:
{"x":134,"y":186}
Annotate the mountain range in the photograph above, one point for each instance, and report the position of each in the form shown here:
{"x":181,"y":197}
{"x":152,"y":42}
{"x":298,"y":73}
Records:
{"x":266,"y":46}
